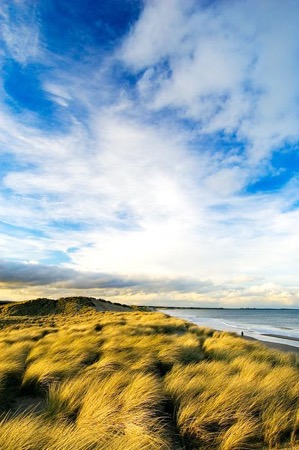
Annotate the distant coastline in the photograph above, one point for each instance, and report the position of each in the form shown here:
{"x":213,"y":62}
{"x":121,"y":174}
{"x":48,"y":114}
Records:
{"x":223,"y":308}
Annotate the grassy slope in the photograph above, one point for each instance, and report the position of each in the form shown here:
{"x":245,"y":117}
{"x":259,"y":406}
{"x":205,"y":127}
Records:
{"x":133,"y":380}
{"x":64,"y":305}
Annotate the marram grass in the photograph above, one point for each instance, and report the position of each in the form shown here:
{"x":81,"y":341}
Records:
{"x":142,"y":381}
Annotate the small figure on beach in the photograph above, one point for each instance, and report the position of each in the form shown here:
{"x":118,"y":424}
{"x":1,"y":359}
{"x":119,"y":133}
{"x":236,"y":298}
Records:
{"x":242,"y":334}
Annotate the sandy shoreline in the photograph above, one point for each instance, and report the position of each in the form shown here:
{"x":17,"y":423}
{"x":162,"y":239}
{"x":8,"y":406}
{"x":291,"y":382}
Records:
{"x":282,"y":337}
{"x":275,"y":345}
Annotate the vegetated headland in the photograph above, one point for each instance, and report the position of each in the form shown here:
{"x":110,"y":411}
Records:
{"x":82,"y":374}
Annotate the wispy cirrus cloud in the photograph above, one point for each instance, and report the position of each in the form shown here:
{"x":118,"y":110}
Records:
{"x":20,"y":30}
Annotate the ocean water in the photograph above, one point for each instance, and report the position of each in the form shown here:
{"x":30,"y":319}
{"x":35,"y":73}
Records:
{"x":257,"y":323}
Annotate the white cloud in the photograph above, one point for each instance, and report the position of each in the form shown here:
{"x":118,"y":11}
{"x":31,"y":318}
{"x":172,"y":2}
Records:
{"x":230,"y":66}
{"x":151,"y":207}
{"x":149,"y":203}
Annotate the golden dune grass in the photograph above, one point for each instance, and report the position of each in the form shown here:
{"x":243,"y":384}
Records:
{"x":130,"y":381}
{"x":236,"y":402}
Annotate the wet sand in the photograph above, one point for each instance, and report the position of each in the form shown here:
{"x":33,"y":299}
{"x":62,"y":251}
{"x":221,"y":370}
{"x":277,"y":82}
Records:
{"x":275,"y":345}
{"x":282,"y":337}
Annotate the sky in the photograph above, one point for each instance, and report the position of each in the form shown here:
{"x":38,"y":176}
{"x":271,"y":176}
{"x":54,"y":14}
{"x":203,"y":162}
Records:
{"x":149,"y":151}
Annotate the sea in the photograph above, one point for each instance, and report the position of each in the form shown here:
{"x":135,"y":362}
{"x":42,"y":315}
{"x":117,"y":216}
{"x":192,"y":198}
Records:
{"x":272,"y":325}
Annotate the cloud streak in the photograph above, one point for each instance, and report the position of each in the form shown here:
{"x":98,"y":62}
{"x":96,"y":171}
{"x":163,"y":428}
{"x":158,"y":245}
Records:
{"x":20,"y":30}
{"x":30,"y":274}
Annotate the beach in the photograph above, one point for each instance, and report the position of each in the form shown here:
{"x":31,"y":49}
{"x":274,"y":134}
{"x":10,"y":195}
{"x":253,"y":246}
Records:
{"x":278,"y":329}
{"x":276,"y":345}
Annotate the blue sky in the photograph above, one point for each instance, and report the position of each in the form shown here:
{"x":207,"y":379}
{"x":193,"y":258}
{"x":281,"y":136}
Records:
{"x":149,"y":151}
